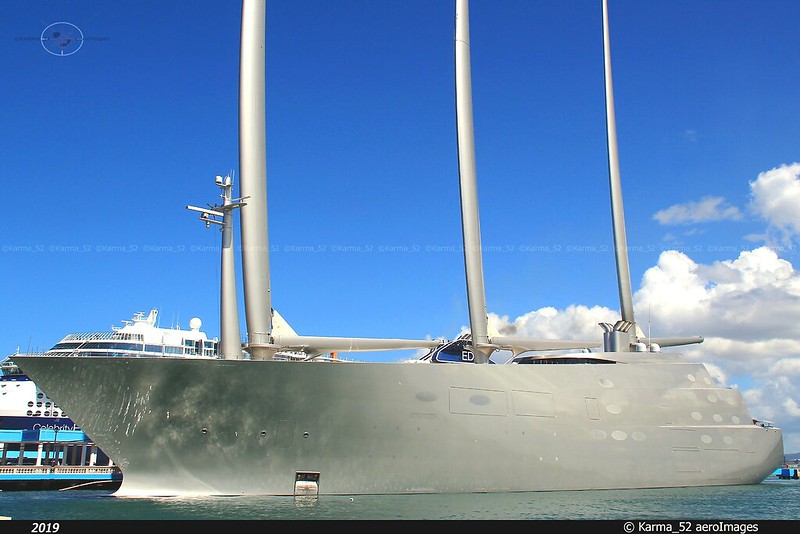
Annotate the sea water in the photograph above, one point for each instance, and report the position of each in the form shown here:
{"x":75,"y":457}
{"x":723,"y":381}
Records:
{"x":770,"y":500}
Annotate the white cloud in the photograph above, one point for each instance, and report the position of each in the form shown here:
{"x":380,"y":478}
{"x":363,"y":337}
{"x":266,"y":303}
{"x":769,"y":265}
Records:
{"x":755,"y":238}
{"x":792,"y":407}
{"x":787,"y":367}
{"x":580,"y":322}
{"x":756,"y":296}
{"x":775,"y":196}
{"x":706,"y":210}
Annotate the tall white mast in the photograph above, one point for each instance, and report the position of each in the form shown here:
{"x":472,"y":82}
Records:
{"x":625,"y":335}
{"x":262,"y":341}
{"x":253,"y":174}
{"x":470,"y":221}
{"x":482,"y":345}
{"x":617,"y":212}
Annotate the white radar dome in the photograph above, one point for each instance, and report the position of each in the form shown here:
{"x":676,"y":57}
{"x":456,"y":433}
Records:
{"x":195,"y":323}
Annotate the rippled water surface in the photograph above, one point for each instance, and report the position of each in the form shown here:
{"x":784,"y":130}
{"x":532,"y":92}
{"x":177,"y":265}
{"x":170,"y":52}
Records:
{"x":769,"y":500}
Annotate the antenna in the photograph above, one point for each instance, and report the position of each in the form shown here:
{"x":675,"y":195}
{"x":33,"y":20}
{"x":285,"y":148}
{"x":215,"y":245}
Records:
{"x":230,"y":345}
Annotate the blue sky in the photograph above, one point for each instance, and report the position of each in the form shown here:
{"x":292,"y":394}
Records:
{"x":104,"y":148}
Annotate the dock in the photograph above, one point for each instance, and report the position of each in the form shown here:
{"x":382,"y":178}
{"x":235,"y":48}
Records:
{"x":54,"y":460}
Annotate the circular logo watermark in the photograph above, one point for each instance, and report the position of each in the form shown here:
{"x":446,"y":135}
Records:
{"x":62,"y":38}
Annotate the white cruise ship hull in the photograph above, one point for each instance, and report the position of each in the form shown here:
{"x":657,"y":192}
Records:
{"x":179,"y":426}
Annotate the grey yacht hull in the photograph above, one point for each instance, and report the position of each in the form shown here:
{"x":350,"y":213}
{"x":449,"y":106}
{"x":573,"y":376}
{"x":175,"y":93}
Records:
{"x":238,"y":427}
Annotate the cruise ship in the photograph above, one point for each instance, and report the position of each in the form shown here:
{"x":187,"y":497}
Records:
{"x":25,"y":406}
{"x":139,"y":337}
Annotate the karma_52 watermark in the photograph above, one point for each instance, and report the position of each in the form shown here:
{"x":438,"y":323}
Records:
{"x":62,"y":39}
